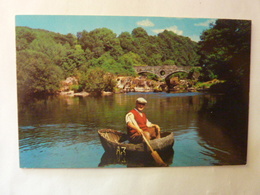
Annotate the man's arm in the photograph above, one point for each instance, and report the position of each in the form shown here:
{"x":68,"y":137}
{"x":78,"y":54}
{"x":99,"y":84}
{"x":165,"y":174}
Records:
{"x":132,"y":126}
{"x":149,"y":124}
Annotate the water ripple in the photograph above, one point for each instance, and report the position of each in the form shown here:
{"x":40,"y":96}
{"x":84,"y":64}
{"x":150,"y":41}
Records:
{"x":49,"y":135}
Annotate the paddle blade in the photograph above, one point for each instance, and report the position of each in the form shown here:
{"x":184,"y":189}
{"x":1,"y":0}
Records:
{"x":158,"y":159}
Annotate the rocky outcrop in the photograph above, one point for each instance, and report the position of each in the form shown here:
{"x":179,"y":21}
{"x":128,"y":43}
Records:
{"x":106,"y":93}
{"x":66,"y":84}
{"x":177,"y":84}
{"x":72,"y":93}
{"x":69,"y":88}
{"x":126,"y":84}
{"x":137,"y":84}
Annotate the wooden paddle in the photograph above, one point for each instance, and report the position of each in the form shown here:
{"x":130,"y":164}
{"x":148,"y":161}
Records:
{"x":154,"y":153}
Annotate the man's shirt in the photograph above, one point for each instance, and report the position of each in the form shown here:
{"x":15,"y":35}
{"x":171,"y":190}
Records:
{"x":130,"y":117}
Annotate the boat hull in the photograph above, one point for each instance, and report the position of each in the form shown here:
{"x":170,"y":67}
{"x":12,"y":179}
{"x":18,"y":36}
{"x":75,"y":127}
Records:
{"x":112,"y":140}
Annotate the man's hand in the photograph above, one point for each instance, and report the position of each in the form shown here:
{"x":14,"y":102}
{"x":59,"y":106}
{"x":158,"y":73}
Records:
{"x":140,"y":131}
{"x":131,"y":125}
{"x":156,"y":126}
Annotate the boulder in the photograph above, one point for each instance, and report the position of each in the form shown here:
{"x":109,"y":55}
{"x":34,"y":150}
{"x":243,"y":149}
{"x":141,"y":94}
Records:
{"x":106,"y":93}
{"x":81,"y":94}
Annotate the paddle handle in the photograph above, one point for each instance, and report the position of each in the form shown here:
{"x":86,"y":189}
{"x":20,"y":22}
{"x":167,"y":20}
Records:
{"x":145,"y":139}
{"x":147,"y":142}
{"x":154,"y":154}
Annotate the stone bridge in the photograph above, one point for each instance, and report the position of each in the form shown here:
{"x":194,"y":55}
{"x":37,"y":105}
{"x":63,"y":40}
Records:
{"x":164,"y":71}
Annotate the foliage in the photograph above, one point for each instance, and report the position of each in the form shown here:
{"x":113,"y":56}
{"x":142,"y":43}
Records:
{"x":65,"y":39}
{"x":181,"y":50}
{"x":24,"y":37}
{"x":72,"y":61}
{"x":169,"y":62}
{"x":76,"y":88}
{"x":36,"y":74}
{"x":151,"y":76}
{"x":131,"y":59}
{"x":181,"y":75}
{"x":100,"y":49}
{"x":100,"y":41}
{"x":209,"y":84}
{"x":126,"y":42}
{"x":97,"y":80}
{"x":225,"y":51}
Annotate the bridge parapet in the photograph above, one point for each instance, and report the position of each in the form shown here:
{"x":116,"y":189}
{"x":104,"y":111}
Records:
{"x":162,"y":71}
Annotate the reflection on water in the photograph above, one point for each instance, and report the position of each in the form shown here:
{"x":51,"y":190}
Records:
{"x":62,"y":131}
{"x":48,"y":135}
{"x":111,"y":159}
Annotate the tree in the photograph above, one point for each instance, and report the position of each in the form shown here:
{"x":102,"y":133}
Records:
{"x":73,"y":60}
{"x":24,"y":37}
{"x":109,"y":64}
{"x":132,"y":59}
{"x":68,"y":55}
{"x":225,"y":51}
{"x":36,"y":74}
{"x":100,"y":41}
{"x":179,"y":49}
{"x":140,"y":42}
{"x":147,"y":47}
{"x":126,"y":42}
{"x":85,"y":40}
{"x":169,"y":62}
{"x":48,"y":47}
{"x":97,"y":80}
{"x":139,"y":33}
{"x":65,"y":39}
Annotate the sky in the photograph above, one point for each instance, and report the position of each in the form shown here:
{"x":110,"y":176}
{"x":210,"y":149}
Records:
{"x":64,"y":24}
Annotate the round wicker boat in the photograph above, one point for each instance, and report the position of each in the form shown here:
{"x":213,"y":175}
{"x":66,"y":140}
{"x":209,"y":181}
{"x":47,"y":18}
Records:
{"x":117,"y":141}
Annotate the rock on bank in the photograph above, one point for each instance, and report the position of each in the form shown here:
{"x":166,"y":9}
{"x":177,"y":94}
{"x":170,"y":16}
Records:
{"x":123,"y":84}
{"x":137,"y":84}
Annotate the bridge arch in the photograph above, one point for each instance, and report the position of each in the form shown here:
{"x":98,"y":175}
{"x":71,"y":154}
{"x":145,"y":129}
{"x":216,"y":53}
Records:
{"x":163,"y":72}
{"x":169,"y":75}
{"x":146,"y":72}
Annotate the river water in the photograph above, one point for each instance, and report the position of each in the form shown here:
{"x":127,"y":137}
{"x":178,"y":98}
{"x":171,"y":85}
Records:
{"x":61,"y":132}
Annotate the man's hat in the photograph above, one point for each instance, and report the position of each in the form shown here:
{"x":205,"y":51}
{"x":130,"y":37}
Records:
{"x":141,"y":100}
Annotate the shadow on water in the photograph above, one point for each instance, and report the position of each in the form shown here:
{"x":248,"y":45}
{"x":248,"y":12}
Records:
{"x":224,"y":126}
{"x":135,"y":159}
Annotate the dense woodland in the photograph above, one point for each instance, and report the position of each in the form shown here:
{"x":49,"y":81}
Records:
{"x":95,"y":58}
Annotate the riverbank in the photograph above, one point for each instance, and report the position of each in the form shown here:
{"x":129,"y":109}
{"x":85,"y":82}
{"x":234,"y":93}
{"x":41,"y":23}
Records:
{"x":125,"y":84}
